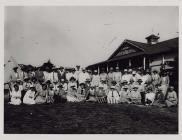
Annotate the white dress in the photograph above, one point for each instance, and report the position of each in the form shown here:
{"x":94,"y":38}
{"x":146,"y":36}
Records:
{"x":15,"y":97}
{"x":29,"y":97}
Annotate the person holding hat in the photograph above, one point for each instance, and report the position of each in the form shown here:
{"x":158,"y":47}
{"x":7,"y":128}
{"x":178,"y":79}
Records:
{"x":171,"y":98}
{"x":135,"y":96}
{"x":15,"y":95}
{"x":41,"y":97}
{"x":110,"y":77}
{"x":71,"y":82}
{"x":149,"y":97}
{"x":95,"y":79}
{"x":124,"y":94}
{"x":29,"y":97}
{"x":117,"y":75}
{"x":112,"y":96}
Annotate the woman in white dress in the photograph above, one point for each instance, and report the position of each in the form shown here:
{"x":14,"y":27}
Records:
{"x":171,"y":99}
{"x":29,"y":97}
{"x":15,"y":95}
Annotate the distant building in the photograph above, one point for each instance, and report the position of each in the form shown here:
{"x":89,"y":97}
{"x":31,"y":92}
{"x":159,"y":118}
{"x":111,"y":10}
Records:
{"x":133,"y":54}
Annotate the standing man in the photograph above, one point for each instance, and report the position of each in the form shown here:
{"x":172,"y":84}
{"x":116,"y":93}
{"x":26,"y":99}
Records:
{"x":110,"y":77}
{"x":117,"y":75}
{"x":61,"y":74}
{"x":103,"y":76}
{"x":95,"y":79}
{"x":83,"y":76}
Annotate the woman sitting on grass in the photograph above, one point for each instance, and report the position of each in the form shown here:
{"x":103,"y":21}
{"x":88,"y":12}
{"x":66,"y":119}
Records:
{"x":135,"y":96}
{"x":149,"y":97}
{"x":41,"y":96}
{"x":171,"y":98}
{"x":124,"y":94}
{"x":29,"y":96}
{"x":71,"y":95}
{"x":15,"y":95}
{"x":91,"y":96}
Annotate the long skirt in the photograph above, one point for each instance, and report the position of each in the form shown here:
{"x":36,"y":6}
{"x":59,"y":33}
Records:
{"x":171,"y":103}
{"x":29,"y":101}
{"x":15,"y":101}
{"x":112,"y":100}
{"x":40,"y":100}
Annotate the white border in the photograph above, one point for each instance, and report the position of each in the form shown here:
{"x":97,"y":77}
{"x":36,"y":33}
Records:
{"x":4,"y":3}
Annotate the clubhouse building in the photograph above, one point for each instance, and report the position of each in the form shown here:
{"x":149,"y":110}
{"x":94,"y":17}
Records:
{"x":150,"y":55}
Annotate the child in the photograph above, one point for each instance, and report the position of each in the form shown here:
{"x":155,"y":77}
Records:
{"x":150,"y":96}
{"x":124,"y":94}
{"x":60,"y":95}
{"x":135,"y":96}
{"x":29,"y":96}
{"x":171,"y":99}
{"x":113,"y":96}
{"x":15,"y":95}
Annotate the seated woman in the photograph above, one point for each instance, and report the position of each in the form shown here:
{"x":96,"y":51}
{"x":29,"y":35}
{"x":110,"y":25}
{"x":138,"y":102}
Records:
{"x":101,"y":94}
{"x":60,"y":95}
{"x":171,"y":98}
{"x":50,"y":94}
{"x":41,"y":96}
{"x":91,"y":96}
{"x":71,"y":82}
{"x":65,"y":85}
{"x":81,"y":93}
{"x":71,"y":95}
{"x":15,"y":95}
{"x":149,"y":97}
{"x":134,"y":95}
{"x":29,"y":96}
{"x":113,"y":96}
{"x":124,"y":94}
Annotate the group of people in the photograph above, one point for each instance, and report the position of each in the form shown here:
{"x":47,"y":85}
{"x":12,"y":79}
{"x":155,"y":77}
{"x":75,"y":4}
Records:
{"x":58,"y":85}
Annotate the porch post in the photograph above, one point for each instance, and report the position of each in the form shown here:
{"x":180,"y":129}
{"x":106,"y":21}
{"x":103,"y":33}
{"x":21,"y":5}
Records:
{"x":107,"y":67}
{"x":129,"y":63}
{"x":163,"y":59}
{"x":144,"y":63}
{"x":98,"y":70}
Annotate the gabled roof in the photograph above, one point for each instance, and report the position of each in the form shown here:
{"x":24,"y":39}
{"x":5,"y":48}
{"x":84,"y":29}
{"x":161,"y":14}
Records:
{"x":164,"y":46}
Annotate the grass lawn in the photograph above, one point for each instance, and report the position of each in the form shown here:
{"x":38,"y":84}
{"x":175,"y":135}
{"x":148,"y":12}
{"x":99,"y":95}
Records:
{"x":89,"y":118}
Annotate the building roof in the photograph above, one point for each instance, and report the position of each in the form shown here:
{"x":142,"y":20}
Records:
{"x":146,"y":49}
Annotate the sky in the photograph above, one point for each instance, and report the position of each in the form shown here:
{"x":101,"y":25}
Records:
{"x":80,"y":35}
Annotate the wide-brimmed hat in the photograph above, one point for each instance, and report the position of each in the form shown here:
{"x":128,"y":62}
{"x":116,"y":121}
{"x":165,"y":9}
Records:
{"x":134,"y":72}
{"x":135,"y":87}
{"x":125,"y":70}
{"x":139,"y":80}
{"x":72,"y":78}
{"x":113,"y":87}
{"x":125,"y":87}
{"x":82,"y":84}
{"x":117,"y":68}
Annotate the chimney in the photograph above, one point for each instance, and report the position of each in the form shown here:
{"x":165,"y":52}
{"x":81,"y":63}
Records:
{"x":152,"y":39}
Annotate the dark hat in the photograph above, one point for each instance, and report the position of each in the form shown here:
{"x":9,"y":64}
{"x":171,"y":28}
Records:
{"x":72,"y":78}
{"x":15,"y":68}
